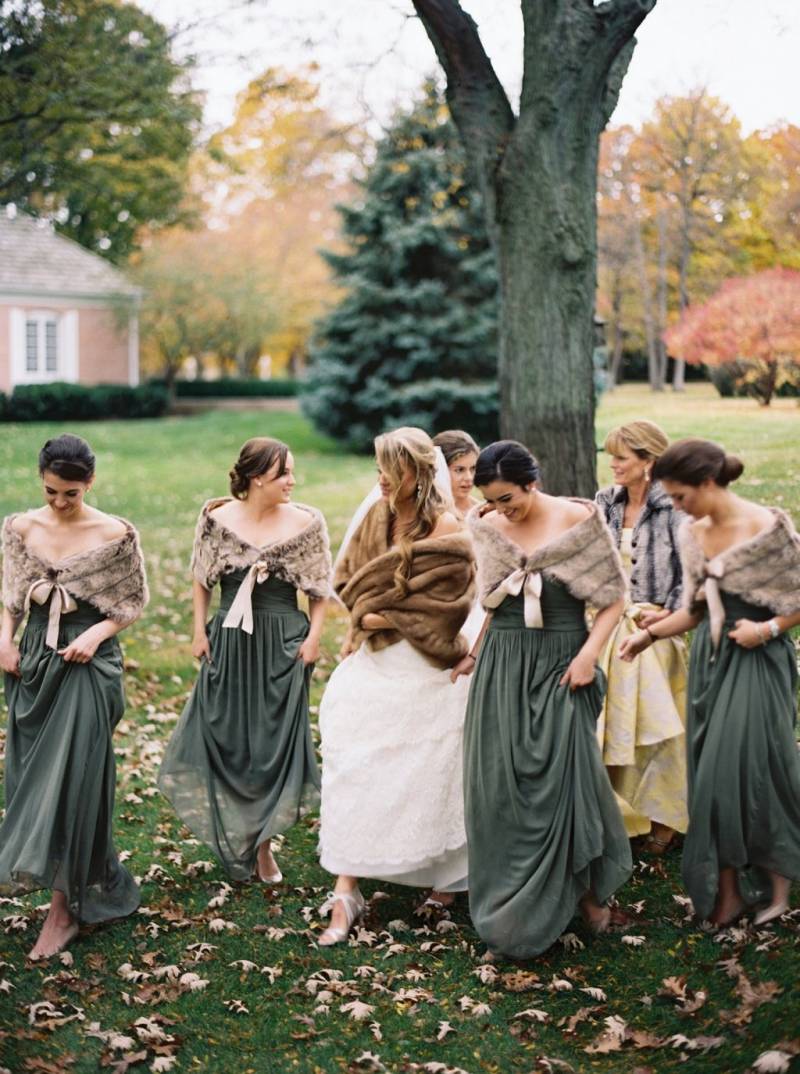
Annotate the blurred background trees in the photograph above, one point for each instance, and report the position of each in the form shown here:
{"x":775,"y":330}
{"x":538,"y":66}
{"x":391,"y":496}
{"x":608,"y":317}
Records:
{"x":97,"y":120}
{"x":413,"y":340}
{"x":244,"y":257}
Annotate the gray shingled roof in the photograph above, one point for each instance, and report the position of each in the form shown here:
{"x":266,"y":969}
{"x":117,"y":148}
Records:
{"x":35,"y":260}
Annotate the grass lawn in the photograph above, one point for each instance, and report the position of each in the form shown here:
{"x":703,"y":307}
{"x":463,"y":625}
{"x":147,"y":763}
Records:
{"x":407,"y":994}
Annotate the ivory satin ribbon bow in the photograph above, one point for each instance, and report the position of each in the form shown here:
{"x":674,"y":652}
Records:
{"x":521,"y":581}
{"x":61,"y":604}
{"x":240,"y":613}
{"x":715,"y":569}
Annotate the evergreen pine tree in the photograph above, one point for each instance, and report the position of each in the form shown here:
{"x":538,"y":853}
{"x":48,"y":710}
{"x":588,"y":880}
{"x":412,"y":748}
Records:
{"x":414,"y":340}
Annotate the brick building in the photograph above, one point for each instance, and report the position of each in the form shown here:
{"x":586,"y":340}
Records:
{"x":65,"y":313}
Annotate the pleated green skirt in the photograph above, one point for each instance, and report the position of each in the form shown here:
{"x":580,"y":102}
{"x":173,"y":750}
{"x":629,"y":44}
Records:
{"x":543,"y":825}
{"x":60,"y":773}
{"x":743,"y":764}
{"x":240,"y":766}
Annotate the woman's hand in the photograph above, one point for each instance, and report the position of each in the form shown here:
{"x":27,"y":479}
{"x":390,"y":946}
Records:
{"x":9,"y":657}
{"x":747,"y":634}
{"x":373,"y":621}
{"x":579,"y":673}
{"x":347,"y":645}
{"x":647,"y":619}
{"x":465,"y":666}
{"x":309,"y":651}
{"x":635,"y":644}
{"x":83,"y":648}
{"x":201,"y":647}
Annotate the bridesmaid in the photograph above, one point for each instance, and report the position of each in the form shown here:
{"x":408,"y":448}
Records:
{"x":460,"y":453}
{"x":391,"y":722}
{"x":78,"y":575}
{"x":544,"y":831}
{"x":741,"y":589}
{"x":240,"y":766}
{"x":642,"y":726}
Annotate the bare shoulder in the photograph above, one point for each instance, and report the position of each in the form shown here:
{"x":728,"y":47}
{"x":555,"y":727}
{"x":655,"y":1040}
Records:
{"x":27,"y":522}
{"x":295,"y":519}
{"x":109,"y":527}
{"x":223,"y":510}
{"x":446,"y":524}
{"x":576,"y":511}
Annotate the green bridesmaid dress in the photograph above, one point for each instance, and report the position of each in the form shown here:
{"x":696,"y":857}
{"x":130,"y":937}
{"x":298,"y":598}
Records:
{"x":743,"y":764}
{"x":60,"y":772}
{"x":543,"y":825}
{"x":240,"y":766}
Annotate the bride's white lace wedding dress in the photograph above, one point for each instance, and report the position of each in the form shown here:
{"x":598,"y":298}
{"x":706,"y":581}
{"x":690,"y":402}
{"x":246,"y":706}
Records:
{"x":392,"y":795}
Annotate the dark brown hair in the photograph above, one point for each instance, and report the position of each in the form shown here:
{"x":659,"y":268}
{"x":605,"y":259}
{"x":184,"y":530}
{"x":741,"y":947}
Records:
{"x":68,"y":457}
{"x":256,"y":457}
{"x":693,"y":461}
{"x":506,"y":460}
{"x":455,"y":443}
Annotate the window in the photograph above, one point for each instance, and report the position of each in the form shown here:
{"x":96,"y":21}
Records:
{"x":41,"y":346}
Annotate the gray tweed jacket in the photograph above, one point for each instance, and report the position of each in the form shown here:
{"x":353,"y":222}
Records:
{"x":656,"y":574}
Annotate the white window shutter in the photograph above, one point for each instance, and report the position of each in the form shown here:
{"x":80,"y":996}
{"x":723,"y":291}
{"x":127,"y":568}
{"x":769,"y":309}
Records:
{"x":68,"y":358}
{"x":16,"y":347}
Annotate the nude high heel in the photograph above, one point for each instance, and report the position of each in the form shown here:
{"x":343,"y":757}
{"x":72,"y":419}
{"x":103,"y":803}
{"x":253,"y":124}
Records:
{"x":353,"y":907}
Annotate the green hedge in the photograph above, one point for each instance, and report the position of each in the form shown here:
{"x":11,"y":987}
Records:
{"x":232,"y":387}
{"x":60,"y":401}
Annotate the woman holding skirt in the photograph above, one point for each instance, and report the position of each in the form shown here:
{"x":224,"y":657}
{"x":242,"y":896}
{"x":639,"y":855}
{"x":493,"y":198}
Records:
{"x":641,"y":729}
{"x":741,"y":589}
{"x":544,"y":830}
{"x":391,"y":721}
{"x":78,"y":575}
{"x":240,"y":766}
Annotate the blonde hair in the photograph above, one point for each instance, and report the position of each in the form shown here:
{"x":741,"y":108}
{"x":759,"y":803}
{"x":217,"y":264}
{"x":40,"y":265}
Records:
{"x":399,"y":452}
{"x":644,"y":438}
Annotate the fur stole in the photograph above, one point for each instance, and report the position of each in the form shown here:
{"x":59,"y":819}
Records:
{"x":764,"y":570}
{"x":440,"y":589}
{"x":303,"y":560}
{"x":111,"y":578}
{"x":583,"y":558}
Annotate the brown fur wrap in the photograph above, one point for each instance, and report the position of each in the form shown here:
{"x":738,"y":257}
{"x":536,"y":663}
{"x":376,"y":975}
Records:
{"x":111,"y":578}
{"x":584,"y":558}
{"x":764,"y":570}
{"x":440,"y":589}
{"x":303,"y":560}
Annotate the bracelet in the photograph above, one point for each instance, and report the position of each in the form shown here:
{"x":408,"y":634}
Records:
{"x":651,"y":636}
{"x":761,"y":635}
{"x":472,"y":657}
{"x":774,"y":629}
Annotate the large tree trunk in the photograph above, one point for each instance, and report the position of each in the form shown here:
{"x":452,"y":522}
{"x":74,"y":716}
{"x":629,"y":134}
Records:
{"x":547,"y":285}
{"x":538,"y":174}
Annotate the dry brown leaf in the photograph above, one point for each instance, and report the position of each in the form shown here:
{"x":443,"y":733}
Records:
{"x":519,"y":981}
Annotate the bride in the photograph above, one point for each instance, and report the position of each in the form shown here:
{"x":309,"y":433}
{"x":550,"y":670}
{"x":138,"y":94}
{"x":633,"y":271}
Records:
{"x":391,"y":721}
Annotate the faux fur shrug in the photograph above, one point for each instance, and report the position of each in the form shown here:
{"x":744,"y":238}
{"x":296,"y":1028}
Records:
{"x":583,"y":559}
{"x":111,"y":578}
{"x":440,"y":589}
{"x":764,"y":570}
{"x":303,"y":560}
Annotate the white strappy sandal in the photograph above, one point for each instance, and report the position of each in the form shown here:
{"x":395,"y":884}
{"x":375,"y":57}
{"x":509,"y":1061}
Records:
{"x":353,"y":904}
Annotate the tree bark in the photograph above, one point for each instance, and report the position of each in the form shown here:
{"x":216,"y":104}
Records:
{"x":538,"y":174}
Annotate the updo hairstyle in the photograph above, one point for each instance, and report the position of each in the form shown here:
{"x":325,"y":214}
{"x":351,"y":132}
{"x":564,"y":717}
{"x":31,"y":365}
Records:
{"x":644,"y":438}
{"x":68,"y":457}
{"x":256,"y":457}
{"x":454,"y":443}
{"x":506,"y":460}
{"x":399,"y":452}
{"x":693,"y":461}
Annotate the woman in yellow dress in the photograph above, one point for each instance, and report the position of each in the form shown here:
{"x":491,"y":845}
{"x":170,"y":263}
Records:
{"x":642,"y":726}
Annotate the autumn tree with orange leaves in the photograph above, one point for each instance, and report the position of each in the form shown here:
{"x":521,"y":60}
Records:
{"x":752,"y":324}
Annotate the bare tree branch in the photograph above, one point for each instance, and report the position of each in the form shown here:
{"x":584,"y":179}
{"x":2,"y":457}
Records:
{"x":477,"y":100}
